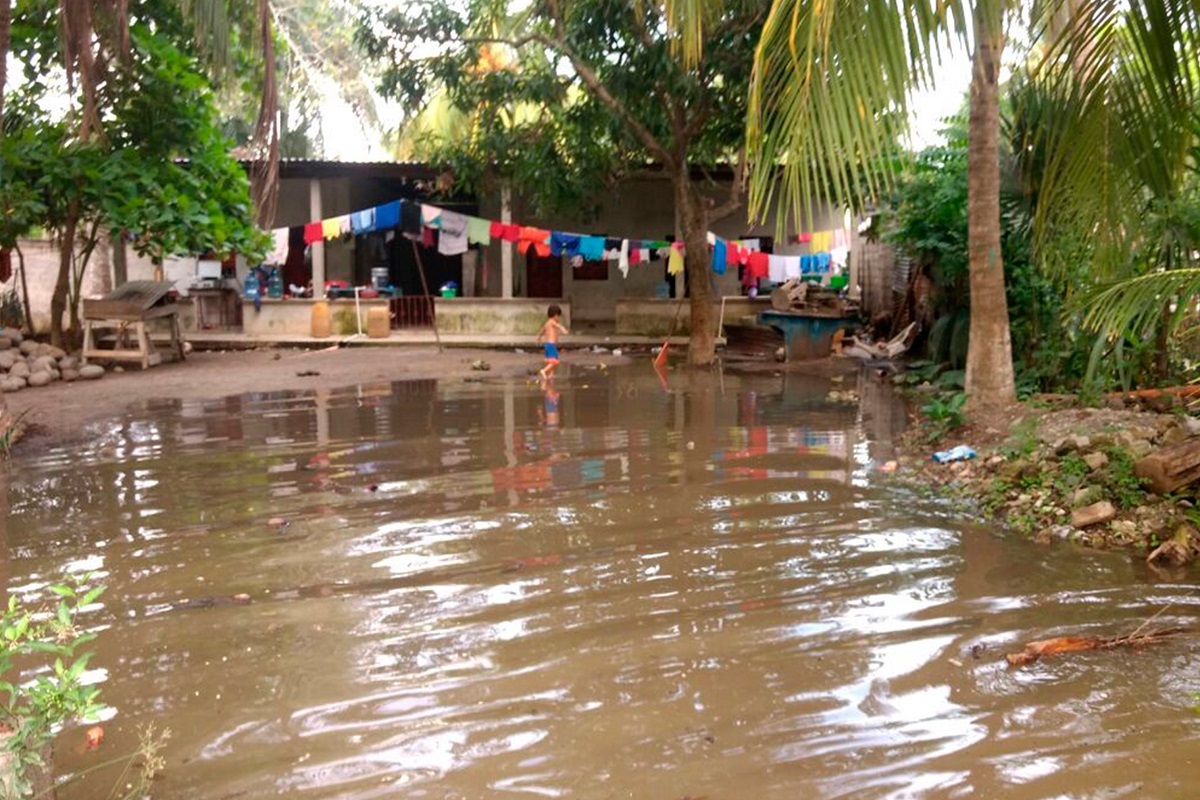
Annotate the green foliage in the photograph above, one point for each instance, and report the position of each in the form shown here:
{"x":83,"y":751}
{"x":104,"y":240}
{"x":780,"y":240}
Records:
{"x":1121,"y":485}
{"x":45,"y":644}
{"x":163,"y":173}
{"x":1023,"y":441}
{"x":945,"y":413}
{"x":512,"y":97}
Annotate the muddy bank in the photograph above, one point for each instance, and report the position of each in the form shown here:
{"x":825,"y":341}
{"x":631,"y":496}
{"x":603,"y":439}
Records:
{"x":1064,"y":474}
{"x":61,"y":412}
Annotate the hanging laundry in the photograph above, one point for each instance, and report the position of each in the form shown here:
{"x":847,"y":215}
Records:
{"x":312,"y":233}
{"x":612,"y":249}
{"x":431,"y":216}
{"x":427,"y":239}
{"x":362,"y":221}
{"x":479,"y":231}
{"x":776,"y":269}
{"x":623,"y":258}
{"x":757,"y":267}
{"x":330,"y":228}
{"x":804,"y":238}
{"x":564,"y":243}
{"x":839,"y":256}
{"x":675,"y":260}
{"x":387,"y":216}
{"x":344,"y":228}
{"x":821,"y":241}
{"x":592,"y":248}
{"x":453,"y":239}
{"x":720,"y":256}
{"x":636,"y":254}
{"x":536,"y":238}
{"x":840,"y":239}
{"x":510,"y":233}
{"x":791,"y":267}
{"x":279,"y":246}
{"x":823,"y":263}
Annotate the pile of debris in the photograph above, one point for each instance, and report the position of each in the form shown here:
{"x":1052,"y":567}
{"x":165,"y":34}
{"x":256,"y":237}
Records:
{"x":25,"y":363}
{"x":813,"y":299}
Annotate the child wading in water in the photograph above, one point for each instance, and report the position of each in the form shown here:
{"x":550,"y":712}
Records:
{"x":548,"y":336}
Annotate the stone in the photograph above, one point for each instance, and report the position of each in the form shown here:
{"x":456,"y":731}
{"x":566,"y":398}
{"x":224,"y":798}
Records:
{"x":1086,"y":495}
{"x":1094,"y":514}
{"x":1139,"y":448}
{"x":27,"y":347}
{"x":1115,"y":402}
{"x":5,"y":343}
{"x":14,"y":334}
{"x":56,"y":352}
{"x":1147,"y":432}
{"x":43,"y":364}
{"x":40,"y":379}
{"x":1176,"y":434}
{"x":68,"y":362}
{"x":42,"y":349}
{"x":91,"y":372}
{"x":70,"y":375}
{"x":7,"y":359}
{"x":1072,"y":444}
{"x":20,"y":370}
{"x":1125,"y":528}
{"x":1192,"y":424}
{"x":11,"y":384}
{"x":1096,"y":461}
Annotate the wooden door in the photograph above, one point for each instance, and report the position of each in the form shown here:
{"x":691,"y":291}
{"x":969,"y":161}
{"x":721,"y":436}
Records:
{"x":543,"y":275}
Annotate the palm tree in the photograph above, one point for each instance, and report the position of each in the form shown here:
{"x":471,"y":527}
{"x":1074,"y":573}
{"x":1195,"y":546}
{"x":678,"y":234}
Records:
{"x":830,"y":92}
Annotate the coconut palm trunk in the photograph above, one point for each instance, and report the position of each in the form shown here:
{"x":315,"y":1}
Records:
{"x":989,"y":382}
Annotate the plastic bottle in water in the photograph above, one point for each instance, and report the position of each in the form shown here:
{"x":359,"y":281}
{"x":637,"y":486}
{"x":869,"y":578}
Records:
{"x":251,"y":288}
{"x":275,"y":284}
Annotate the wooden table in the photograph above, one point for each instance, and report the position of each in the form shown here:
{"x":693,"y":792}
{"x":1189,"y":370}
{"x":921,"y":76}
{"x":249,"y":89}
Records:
{"x":130,"y":308}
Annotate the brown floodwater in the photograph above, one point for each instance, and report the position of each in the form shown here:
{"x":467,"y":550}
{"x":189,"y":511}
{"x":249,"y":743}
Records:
{"x":624,"y":590}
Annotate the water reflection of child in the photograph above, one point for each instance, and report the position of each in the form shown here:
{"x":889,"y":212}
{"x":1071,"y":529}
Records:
{"x":550,"y":405}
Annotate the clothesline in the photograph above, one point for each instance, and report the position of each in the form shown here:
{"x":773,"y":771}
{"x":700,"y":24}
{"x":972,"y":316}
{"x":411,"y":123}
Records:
{"x":458,"y":232}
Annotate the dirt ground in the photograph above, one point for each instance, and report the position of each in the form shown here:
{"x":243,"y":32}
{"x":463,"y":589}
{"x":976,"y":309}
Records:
{"x":60,"y":412}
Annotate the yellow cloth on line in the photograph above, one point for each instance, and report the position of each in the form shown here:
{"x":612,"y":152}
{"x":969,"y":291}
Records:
{"x":675,"y":261}
{"x":821,"y":241}
{"x":330,"y":228}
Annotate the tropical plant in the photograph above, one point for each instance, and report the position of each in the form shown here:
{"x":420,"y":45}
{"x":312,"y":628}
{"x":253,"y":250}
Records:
{"x":42,"y":683}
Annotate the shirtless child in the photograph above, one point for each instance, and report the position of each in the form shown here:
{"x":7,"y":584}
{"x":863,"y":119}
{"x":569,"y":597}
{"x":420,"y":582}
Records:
{"x":548,"y":337}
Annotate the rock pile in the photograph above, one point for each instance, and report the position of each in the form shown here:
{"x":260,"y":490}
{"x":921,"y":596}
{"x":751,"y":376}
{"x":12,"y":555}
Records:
{"x":1070,"y":476}
{"x":25,"y":363}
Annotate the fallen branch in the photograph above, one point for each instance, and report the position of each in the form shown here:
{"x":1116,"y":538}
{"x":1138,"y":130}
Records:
{"x":1075,"y":644}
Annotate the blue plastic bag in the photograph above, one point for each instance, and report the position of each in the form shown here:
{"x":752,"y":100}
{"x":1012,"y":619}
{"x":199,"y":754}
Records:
{"x":960,"y":453}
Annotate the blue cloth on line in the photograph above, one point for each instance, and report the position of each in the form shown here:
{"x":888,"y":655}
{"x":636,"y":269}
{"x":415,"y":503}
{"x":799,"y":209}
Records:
{"x":387,"y":216}
{"x":592,"y":248}
{"x":806,"y":265}
{"x":719,"y":254}
{"x":564,"y":243}
{"x":362,"y":221}
{"x":822,"y":262}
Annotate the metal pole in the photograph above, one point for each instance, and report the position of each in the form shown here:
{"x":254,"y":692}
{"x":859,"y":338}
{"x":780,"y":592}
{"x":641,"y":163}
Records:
{"x":425,"y":286}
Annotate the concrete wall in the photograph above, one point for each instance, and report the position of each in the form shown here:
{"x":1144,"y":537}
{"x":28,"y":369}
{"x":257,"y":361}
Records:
{"x":293,"y":317}
{"x":642,"y":207}
{"x":518,"y":316}
{"x":649,"y":317}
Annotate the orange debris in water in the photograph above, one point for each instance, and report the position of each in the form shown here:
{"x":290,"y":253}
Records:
{"x":94,"y":736}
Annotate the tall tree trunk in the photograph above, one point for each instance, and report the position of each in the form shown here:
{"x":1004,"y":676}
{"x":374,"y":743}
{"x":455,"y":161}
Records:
{"x":25,"y":289}
{"x":989,"y":381}
{"x":5,"y":25}
{"x":693,"y":223}
{"x":58,"y":300}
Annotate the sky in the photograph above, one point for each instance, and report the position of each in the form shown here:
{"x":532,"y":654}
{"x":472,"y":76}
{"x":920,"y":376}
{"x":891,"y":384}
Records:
{"x":346,"y":139}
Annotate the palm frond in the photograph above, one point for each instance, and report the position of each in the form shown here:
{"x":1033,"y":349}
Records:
{"x":1136,"y":305}
{"x":829,"y":98}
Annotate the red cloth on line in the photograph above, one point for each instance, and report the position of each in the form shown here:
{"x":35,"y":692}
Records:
{"x":804,"y":238}
{"x":510,"y":233}
{"x":536,"y":238}
{"x":756,"y":267}
{"x":427,"y":237}
{"x":496,"y":229}
{"x":312,"y":233}
{"x":733,"y":255}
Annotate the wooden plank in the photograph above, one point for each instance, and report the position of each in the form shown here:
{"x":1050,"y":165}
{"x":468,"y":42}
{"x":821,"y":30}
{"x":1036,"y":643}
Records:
{"x":1171,"y":468}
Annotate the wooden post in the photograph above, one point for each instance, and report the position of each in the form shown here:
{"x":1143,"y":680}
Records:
{"x":425,"y":286}
{"x":506,"y":248}
{"x":1172,"y":467}
{"x":318,"y":248}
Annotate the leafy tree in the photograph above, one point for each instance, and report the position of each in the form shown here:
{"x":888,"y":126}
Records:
{"x":161,"y":171}
{"x":569,"y":95}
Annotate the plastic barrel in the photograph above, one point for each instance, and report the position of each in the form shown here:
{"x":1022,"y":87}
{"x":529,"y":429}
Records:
{"x":378,"y":323}
{"x":321,"y":326}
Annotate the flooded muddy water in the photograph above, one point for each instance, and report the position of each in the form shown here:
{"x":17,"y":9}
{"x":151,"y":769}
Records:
{"x":615,"y":590}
